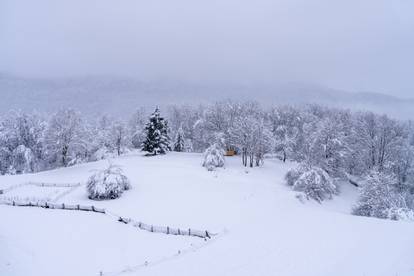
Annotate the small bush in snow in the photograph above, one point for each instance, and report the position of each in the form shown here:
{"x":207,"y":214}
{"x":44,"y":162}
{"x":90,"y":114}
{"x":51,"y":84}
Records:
{"x":294,"y":174}
{"x":107,"y":184}
{"x":313,"y":182}
{"x":213,"y":157}
{"x":379,"y":199}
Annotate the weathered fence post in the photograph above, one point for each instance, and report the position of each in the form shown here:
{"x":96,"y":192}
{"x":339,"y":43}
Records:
{"x":93,"y":208}
{"x":189,"y":231}
{"x":168,"y":230}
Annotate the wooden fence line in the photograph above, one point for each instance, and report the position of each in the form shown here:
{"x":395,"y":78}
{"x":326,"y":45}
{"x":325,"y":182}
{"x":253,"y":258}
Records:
{"x":91,"y":208}
{"x":59,"y":185}
{"x":61,"y":206}
{"x":166,"y":230}
{"x":39,"y":184}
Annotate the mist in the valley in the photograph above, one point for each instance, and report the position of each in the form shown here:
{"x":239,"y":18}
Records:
{"x":128,"y":53}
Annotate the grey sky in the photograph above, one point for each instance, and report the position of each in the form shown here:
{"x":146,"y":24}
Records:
{"x":354,"y":45}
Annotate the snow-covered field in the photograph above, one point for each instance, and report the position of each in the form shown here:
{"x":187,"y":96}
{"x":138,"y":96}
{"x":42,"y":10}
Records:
{"x":262,"y":228}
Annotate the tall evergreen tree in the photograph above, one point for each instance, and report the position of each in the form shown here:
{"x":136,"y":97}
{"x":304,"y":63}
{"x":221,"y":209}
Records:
{"x":156,"y":135}
{"x":179,"y":144}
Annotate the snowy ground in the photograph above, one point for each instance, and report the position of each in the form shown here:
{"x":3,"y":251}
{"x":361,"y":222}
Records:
{"x":264,"y":229}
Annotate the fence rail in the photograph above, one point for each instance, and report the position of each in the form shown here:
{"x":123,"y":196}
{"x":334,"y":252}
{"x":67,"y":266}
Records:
{"x":39,"y":184}
{"x":166,"y":230}
{"x":91,"y":208}
{"x":61,"y":206}
{"x":59,"y":185}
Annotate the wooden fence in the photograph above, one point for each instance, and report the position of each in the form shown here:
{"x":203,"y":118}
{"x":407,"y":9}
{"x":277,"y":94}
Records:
{"x":61,"y":206}
{"x":39,"y":184}
{"x":66,"y":188}
{"x":167,"y":230}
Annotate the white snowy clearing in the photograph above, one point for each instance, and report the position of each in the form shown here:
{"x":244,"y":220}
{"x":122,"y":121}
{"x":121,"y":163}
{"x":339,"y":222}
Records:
{"x":262,"y":228}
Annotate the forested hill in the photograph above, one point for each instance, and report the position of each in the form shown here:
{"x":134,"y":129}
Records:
{"x":119,"y":96}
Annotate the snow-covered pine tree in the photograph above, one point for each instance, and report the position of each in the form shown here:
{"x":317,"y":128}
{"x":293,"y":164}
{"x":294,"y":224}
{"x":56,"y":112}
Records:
{"x":179,"y":144}
{"x":156,"y":135}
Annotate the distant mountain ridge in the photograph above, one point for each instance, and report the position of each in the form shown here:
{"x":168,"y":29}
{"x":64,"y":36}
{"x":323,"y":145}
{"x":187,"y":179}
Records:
{"x":121,"y":96}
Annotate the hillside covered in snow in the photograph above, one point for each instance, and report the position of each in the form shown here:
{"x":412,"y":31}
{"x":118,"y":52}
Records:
{"x":259,"y":226}
{"x":117,"y":96}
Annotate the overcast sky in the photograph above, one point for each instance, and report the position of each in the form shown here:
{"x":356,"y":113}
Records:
{"x":356,"y":45}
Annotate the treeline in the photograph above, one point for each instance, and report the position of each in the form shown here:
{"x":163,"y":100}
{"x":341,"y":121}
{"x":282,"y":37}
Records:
{"x":339,"y":141}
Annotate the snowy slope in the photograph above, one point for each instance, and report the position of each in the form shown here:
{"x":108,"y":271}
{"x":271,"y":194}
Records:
{"x":263,"y":229}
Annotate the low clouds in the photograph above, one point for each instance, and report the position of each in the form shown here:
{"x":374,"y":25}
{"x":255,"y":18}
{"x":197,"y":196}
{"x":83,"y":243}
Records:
{"x":352,"y":45}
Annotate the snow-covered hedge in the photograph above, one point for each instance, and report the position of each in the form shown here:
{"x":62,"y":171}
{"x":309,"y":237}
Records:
{"x":313,"y":182}
{"x":213,"y":157}
{"x":109,"y":183}
{"x":379,"y":198}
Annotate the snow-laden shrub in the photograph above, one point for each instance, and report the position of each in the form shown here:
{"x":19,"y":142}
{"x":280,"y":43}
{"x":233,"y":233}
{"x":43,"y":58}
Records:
{"x":313,"y":182}
{"x":295,"y":173}
{"x":401,"y":214}
{"x":109,"y":183}
{"x":213,"y":157}
{"x":379,"y":199}
{"x":101,"y":154}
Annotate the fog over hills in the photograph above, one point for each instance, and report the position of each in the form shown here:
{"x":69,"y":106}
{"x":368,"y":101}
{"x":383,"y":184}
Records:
{"x":121,"y":96}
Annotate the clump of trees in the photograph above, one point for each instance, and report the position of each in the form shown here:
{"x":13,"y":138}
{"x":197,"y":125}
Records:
{"x":380,"y":197}
{"x":109,"y":183}
{"x":342,"y":143}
